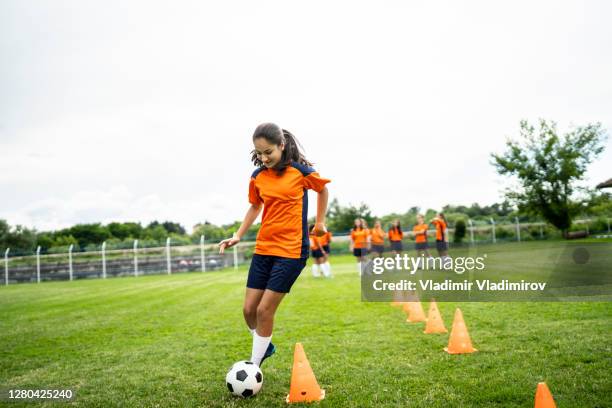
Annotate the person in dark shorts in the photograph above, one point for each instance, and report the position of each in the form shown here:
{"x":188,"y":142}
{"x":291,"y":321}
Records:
{"x":377,"y":238}
{"x":359,"y":242}
{"x":420,"y":237}
{"x":279,"y":186}
{"x":325,"y":240}
{"x":395,"y":236}
{"x":439,"y":221}
{"x":318,"y":255}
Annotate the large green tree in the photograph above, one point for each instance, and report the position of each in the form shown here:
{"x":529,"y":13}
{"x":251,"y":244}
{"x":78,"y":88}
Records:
{"x":548,"y":167}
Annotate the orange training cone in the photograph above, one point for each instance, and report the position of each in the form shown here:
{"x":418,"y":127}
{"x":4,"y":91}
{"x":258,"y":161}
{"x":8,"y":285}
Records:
{"x":414,"y":311}
{"x":459,"y":341}
{"x":434,"y":324}
{"x":304,"y":386}
{"x":543,"y":397}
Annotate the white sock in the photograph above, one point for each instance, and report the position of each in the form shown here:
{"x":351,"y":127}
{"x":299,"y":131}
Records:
{"x":359,"y":267}
{"x":326,"y":270}
{"x":315,"y":271}
{"x":260,"y":345}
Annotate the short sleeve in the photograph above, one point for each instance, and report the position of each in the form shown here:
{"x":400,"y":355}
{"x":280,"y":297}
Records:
{"x":315,"y":182}
{"x":254,"y":197}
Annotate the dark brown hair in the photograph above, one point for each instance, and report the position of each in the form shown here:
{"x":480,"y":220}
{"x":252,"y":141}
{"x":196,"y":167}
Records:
{"x":274,"y":134}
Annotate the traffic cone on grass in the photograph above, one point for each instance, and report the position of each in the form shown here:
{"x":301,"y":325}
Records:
{"x":414,"y":312}
{"x":459,"y":341}
{"x":304,"y":386}
{"x":434,"y":324}
{"x":543,"y":397}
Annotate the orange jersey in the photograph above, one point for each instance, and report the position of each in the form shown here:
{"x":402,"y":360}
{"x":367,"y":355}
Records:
{"x":325,"y":239}
{"x":440,"y":229}
{"x":315,"y":242}
{"x":378,"y":236}
{"x":395,"y":234}
{"x":420,"y":232}
{"x":284,"y":227}
{"x":360,"y":237}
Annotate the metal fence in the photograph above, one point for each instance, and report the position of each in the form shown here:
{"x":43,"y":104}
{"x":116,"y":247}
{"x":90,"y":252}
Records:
{"x":204,"y":257}
{"x":136,"y":261}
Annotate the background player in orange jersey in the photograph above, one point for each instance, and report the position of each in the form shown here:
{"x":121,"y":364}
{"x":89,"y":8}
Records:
{"x":395,"y":237}
{"x":279,"y":187}
{"x":318,"y":255}
{"x":420,"y":236}
{"x":325,"y":241}
{"x":439,"y":221}
{"x":359,"y":242}
{"x":377,"y":238}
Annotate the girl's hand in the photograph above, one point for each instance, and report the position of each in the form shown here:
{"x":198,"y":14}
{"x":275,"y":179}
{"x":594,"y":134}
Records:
{"x":320,"y":229}
{"x":228,"y":243}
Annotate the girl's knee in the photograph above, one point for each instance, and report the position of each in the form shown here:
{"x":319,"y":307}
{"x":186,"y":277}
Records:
{"x":264,"y":312}
{"x":249,"y":310}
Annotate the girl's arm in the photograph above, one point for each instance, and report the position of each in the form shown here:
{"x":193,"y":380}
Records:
{"x":321,"y":211}
{"x":249,"y":219}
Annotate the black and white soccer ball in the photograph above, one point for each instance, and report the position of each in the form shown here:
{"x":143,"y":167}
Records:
{"x":244,"y":379}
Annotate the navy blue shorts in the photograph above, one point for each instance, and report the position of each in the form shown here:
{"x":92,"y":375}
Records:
{"x":441,"y":245}
{"x":274,"y":272}
{"x":326,"y":249}
{"x":360,"y":252}
{"x":396,"y":246}
{"x":378,"y":249}
{"x":421,"y":246}
{"x":317,"y":253}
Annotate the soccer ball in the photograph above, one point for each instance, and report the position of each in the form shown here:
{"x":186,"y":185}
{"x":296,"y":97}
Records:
{"x":244,"y":379}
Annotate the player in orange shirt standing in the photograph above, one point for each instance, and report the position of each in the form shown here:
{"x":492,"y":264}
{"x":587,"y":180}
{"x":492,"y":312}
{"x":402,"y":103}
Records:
{"x":377,"y":238}
{"x":420,"y":236}
{"x":325,"y":241}
{"x":439,"y":221}
{"x":318,"y":255}
{"x":359,"y":242}
{"x":395,"y":237}
{"x":281,"y":249}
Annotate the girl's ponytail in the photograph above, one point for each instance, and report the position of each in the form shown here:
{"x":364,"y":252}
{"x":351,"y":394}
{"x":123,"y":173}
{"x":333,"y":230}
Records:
{"x":293,"y":150}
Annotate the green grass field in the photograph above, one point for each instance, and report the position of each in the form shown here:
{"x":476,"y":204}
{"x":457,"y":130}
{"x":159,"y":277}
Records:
{"x":167,"y":341}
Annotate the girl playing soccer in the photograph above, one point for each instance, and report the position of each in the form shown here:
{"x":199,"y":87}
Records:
{"x":278,"y":185}
{"x":395,"y":237}
{"x":359,"y":242}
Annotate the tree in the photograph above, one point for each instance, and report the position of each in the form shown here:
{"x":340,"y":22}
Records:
{"x":342,"y":219}
{"x":548,"y":166}
{"x":87,"y":234}
{"x":123,"y":230}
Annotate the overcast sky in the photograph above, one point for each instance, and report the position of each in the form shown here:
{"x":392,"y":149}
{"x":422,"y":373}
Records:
{"x":140,"y":110}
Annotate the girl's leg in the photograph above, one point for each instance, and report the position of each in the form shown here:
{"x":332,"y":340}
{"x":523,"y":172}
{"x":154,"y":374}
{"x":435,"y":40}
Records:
{"x":325,"y":268}
{"x":265,"y":321}
{"x":317,"y":267}
{"x":266,"y":310}
{"x":252,"y":299}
